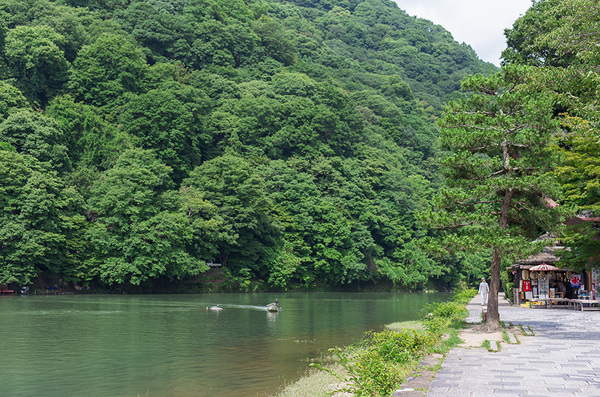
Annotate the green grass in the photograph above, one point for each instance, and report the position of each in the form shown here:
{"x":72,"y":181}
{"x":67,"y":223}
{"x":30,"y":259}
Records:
{"x":399,"y":326}
{"x":452,"y":340}
{"x":488,"y":345}
{"x":315,"y":384}
{"x":505,"y":336}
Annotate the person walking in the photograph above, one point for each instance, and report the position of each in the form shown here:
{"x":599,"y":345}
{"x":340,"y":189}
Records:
{"x":483,"y":290}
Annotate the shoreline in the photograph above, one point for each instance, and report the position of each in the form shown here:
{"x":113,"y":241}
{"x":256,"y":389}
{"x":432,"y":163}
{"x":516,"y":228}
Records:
{"x":416,"y":375}
{"x":562,"y":359}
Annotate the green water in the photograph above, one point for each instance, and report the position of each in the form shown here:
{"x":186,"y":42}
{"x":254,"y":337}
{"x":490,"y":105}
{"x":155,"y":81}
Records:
{"x":169,"y":345}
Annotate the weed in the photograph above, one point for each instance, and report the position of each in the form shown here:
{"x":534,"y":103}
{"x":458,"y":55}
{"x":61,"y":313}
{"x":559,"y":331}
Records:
{"x":488,"y":345}
{"x":464,"y":296}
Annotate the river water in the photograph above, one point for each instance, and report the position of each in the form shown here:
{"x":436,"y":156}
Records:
{"x":169,"y":345}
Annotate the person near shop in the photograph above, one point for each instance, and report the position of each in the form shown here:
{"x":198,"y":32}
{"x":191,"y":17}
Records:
{"x":484,"y":288}
{"x":563,"y":289}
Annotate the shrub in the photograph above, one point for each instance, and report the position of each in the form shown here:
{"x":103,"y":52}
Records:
{"x":438,"y":316}
{"x":381,"y":361}
{"x":464,"y":296}
{"x":373,"y":375}
{"x":451,"y":310}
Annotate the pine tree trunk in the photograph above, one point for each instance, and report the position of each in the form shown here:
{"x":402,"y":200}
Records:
{"x":493,"y":316}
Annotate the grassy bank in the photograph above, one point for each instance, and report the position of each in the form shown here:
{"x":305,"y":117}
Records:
{"x":381,"y":361}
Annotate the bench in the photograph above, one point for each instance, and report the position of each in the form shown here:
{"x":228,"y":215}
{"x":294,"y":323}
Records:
{"x":584,"y":304}
{"x":558,"y":302}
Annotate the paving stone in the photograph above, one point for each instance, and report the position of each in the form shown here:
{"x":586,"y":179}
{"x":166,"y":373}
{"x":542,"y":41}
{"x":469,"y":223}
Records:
{"x":505,"y":383}
{"x":563,"y":391}
{"x":561,"y":359}
{"x":511,"y":392}
{"x":509,"y":377}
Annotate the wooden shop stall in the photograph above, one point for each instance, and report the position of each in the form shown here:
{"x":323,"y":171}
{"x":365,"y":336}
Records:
{"x":540,"y":277}
{"x":541,"y":282}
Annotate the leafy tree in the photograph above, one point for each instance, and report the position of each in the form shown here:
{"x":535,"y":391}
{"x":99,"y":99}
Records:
{"x":168,"y":118}
{"x":93,"y":144}
{"x":37,"y":135}
{"x":139,"y":233}
{"x":40,"y":221}
{"x":203,"y":10}
{"x":274,"y":40}
{"x":36,"y":60}
{"x":498,"y":191}
{"x":560,"y":36}
{"x":208,"y":227}
{"x":414,"y":268}
{"x":230,"y":184}
{"x":108,"y":68}
{"x":78,"y":26}
{"x":92,"y":141}
{"x":222,"y":44}
{"x":160,"y":27}
{"x":11,"y":99}
{"x":105,"y":5}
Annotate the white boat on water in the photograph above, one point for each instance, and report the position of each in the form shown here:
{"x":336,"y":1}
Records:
{"x":274,"y":307}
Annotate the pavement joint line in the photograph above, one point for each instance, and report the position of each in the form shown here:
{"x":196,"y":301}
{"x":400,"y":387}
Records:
{"x":558,"y":358}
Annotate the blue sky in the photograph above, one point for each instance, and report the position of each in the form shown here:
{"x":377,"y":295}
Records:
{"x":479,"y":23}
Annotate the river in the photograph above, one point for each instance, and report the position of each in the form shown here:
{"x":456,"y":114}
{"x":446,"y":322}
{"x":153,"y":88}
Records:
{"x":169,"y":345}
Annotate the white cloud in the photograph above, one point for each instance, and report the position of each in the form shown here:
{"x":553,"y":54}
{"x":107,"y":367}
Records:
{"x":479,"y":23}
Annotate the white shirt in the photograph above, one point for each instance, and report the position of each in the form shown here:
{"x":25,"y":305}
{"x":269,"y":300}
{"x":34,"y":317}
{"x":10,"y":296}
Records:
{"x":484,"y":288}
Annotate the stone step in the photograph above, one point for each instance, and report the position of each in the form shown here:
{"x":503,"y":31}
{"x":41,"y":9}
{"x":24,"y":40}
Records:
{"x":494,"y":345}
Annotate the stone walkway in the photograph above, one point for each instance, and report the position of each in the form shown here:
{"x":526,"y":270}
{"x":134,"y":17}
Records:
{"x":562,"y":359}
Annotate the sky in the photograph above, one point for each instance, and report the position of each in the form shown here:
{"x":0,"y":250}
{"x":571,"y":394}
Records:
{"x":479,"y":23}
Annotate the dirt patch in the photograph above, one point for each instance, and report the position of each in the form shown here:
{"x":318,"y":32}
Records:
{"x":475,"y":336}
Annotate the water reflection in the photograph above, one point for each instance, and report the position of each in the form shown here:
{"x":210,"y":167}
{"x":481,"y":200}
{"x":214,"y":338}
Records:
{"x":172,"y":346}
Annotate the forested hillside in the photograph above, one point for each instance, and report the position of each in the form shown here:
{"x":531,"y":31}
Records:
{"x":290,"y":141}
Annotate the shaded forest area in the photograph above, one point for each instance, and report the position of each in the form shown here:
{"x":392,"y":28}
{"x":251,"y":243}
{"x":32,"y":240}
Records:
{"x":293,"y":142}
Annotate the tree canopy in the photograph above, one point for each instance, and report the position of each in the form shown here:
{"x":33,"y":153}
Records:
{"x":499,"y":194}
{"x":293,"y":142}
{"x":560,"y":38}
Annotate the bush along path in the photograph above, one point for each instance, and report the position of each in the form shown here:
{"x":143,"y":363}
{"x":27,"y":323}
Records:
{"x":380,"y":363}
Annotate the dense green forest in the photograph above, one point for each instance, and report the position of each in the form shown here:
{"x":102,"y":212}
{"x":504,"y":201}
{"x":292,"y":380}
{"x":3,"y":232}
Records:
{"x":291,"y":141}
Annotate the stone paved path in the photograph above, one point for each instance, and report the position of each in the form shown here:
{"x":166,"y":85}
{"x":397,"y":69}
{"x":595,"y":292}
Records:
{"x":562,"y":359}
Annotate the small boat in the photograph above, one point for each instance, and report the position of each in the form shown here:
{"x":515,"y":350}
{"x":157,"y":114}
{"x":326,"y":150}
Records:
{"x":273,"y":307}
{"x":215,"y":307}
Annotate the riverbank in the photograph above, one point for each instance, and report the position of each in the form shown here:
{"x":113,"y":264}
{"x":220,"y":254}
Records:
{"x":541,"y":352}
{"x":377,"y":364}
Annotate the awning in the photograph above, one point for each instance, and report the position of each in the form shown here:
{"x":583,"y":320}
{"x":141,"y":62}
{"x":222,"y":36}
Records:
{"x":543,"y":268}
